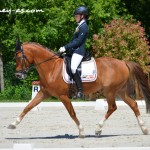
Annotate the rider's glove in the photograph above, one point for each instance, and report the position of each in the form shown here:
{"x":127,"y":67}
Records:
{"x":62,"y":49}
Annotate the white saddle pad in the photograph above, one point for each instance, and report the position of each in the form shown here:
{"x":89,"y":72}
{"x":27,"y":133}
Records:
{"x":88,"y":71}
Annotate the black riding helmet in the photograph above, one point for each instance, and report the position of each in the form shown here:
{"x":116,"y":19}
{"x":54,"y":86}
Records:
{"x":82,"y":10}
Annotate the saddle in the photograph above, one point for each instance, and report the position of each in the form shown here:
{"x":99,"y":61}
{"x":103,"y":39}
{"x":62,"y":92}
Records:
{"x":87,"y":70}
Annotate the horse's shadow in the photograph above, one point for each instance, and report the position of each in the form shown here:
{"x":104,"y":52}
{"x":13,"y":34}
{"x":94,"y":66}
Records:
{"x":66,"y":136}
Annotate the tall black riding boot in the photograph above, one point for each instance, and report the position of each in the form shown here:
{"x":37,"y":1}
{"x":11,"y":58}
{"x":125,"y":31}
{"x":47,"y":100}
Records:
{"x":78,"y":82}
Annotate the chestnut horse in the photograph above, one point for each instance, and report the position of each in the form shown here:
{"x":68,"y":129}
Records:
{"x":113,"y":76}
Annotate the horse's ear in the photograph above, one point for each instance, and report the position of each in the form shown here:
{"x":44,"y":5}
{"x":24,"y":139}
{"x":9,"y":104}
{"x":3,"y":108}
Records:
{"x":18,"y":44}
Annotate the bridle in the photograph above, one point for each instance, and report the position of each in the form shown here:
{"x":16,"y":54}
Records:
{"x":24,"y":69}
{"x":23,"y":58}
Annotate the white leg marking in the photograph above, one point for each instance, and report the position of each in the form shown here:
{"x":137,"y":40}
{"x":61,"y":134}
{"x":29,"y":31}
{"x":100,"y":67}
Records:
{"x":142,"y":125}
{"x":101,"y":123}
{"x":81,"y":131}
{"x":15,"y":123}
{"x":98,"y":130}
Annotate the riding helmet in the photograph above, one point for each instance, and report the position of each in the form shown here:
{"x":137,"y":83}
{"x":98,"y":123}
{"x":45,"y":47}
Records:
{"x":82,"y":10}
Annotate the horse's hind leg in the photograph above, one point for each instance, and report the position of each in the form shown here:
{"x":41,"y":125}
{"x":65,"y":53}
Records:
{"x":133,"y":105}
{"x":67,"y":103}
{"x":111,"y":108}
{"x":39,"y":97}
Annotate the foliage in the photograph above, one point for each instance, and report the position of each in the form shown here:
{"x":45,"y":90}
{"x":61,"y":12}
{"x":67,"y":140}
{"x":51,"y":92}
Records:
{"x":140,"y":10}
{"x":16,"y":92}
{"x":53,"y":27}
{"x":124,"y":40}
{"x":55,"y":24}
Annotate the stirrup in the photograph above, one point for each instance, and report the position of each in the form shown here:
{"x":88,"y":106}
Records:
{"x":80,"y":95}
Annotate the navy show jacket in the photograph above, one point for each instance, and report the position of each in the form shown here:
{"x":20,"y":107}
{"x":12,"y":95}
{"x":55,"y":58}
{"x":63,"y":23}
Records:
{"x":77,"y":45}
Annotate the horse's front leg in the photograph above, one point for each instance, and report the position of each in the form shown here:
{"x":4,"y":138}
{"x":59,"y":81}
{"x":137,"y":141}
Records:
{"x":38,"y":98}
{"x":67,"y":103}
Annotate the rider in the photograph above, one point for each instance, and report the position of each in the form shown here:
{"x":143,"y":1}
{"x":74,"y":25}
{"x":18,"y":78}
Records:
{"x":77,"y":46}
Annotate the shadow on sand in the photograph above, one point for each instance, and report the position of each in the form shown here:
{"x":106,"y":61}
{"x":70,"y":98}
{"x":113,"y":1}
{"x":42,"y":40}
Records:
{"x":66,"y":136}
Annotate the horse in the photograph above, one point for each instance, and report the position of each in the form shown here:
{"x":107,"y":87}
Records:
{"x":113,"y":76}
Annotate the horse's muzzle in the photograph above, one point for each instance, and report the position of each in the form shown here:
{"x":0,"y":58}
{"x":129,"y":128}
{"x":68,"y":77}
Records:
{"x":20,"y":75}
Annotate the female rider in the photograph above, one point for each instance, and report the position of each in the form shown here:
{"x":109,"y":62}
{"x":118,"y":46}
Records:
{"x":77,"y":46}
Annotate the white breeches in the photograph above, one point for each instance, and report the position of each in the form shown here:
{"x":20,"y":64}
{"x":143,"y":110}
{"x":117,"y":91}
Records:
{"x":75,"y":61}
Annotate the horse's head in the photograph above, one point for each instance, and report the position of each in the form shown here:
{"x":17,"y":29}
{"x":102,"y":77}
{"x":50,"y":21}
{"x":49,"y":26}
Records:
{"x":22,"y":63}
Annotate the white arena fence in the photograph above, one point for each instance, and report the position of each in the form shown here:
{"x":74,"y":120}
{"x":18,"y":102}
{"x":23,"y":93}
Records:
{"x":99,"y":104}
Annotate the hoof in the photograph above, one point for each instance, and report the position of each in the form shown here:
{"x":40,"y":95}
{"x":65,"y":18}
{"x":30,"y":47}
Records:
{"x":145,"y":131}
{"x":11,"y":126}
{"x":98,"y":133}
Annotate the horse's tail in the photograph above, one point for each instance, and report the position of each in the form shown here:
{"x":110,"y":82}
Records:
{"x":137,"y":74}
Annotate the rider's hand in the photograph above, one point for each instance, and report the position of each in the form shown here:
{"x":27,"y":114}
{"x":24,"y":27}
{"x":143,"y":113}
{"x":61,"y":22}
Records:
{"x":62,"y":49}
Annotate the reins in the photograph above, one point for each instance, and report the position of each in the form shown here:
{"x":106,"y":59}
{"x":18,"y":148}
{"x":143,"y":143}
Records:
{"x":57,"y":54}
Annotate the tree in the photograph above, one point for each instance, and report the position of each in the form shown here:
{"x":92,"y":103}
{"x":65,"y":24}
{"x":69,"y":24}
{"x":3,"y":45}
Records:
{"x":122,"y":39}
{"x":140,"y":10}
